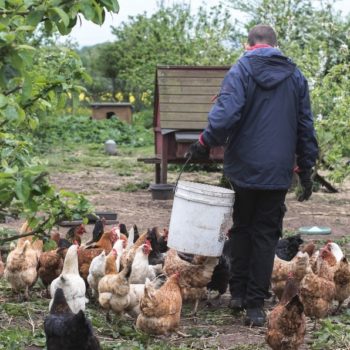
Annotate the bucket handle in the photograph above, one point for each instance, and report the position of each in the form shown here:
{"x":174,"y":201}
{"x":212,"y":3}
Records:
{"x":189,"y":157}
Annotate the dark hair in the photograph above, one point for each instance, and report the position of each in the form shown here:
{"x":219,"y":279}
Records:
{"x":262,"y":33}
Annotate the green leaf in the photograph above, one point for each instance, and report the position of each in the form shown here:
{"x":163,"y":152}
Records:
{"x":111,"y":5}
{"x":3,"y":100}
{"x":35,"y":17}
{"x":64,"y":17}
{"x":27,"y":89}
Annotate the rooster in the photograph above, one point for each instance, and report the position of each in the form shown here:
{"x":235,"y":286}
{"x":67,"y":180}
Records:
{"x":65,"y":330}
{"x":70,"y":281}
{"x":160,"y":308}
{"x":286,"y":324}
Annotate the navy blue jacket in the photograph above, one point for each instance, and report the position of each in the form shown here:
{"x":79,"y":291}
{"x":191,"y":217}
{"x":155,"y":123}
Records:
{"x":263,"y":117}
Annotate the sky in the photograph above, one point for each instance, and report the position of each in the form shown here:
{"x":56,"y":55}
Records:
{"x":88,"y":34}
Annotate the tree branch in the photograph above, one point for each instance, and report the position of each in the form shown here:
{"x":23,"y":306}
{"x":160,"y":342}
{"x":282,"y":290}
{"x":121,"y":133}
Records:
{"x":13,"y":90}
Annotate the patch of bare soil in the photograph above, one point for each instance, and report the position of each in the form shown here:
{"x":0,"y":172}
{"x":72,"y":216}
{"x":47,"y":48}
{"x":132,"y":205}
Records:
{"x":216,"y":328}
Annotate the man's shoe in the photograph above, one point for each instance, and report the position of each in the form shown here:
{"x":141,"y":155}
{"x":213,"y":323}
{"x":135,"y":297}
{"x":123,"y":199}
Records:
{"x":237,"y":304}
{"x":255,"y":317}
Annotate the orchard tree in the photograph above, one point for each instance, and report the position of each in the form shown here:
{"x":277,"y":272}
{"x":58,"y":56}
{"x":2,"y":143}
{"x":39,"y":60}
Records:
{"x":172,"y":35}
{"x":33,"y":82}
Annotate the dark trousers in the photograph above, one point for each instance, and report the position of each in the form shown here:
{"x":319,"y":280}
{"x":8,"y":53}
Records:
{"x":257,"y":226}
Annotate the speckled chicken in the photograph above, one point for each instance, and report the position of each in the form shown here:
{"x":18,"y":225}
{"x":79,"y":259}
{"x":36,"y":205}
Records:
{"x":281,"y":269}
{"x":286,"y":323}
{"x":342,"y":282}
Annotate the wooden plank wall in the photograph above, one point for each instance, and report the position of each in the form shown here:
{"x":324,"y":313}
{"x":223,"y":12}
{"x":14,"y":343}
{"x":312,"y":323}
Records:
{"x":185,"y":96}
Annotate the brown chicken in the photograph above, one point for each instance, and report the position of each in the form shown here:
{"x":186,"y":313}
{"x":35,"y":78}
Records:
{"x":50,"y":267}
{"x":342,"y":282}
{"x":85,"y":256}
{"x":161,"y":308}
{"x":193,"y":277}
{"x":286,"y":323}
{"x":21,"y":268}
{"x":281,"y":269}
{"x":318,"y":290}
{"x":36,"y":244}
{"x":74,"y":234}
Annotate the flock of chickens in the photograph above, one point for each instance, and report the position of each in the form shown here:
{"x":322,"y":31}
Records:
{"x":138,"y":275}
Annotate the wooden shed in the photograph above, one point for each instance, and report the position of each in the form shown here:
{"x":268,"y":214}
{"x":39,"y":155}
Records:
{"x":183,"y":97}
{"x":105,"y":110}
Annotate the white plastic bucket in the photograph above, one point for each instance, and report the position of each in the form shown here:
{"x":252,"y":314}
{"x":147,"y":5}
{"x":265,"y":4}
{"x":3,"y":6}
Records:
{"x":200,"y":218}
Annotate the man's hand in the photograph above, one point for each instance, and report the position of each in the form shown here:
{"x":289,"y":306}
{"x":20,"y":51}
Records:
{"x":306,"y":185}
{"x":197,"y":151}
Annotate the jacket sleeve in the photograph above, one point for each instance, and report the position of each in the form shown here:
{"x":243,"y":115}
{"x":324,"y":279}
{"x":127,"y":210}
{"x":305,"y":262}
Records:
{"x":226,"y":112}
{"x":307,"y":148}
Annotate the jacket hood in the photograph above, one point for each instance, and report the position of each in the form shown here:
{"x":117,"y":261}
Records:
{"x":267,"y":66}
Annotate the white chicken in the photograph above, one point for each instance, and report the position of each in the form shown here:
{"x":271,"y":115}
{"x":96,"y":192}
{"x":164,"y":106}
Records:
{"x":96,"y":272}
{"x":69,"y":280}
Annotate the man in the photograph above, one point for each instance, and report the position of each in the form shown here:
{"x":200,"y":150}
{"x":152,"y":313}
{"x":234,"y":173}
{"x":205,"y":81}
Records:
{"x":263,"y":117}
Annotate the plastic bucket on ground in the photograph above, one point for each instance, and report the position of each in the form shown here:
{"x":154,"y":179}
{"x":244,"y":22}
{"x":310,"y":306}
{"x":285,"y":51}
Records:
{"x":200,"y":218}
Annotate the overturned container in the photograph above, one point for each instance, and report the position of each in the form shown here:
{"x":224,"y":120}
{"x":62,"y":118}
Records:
{"x":200,"y":218}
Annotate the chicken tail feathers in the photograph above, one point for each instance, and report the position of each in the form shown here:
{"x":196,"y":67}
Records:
{"x":60,"y":304}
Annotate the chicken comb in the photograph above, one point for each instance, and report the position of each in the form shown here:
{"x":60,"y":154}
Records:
{"x":290,"y":274}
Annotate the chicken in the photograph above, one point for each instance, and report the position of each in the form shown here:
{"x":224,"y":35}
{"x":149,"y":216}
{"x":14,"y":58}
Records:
{"x":133,"y":236}
{"x":221,"y":274}
{"x":193,"y":277}
{"x":155,"y":257}
{"x":105,"y":242}
{"x":286,"y":323}
{"x":281,"y":269}
{"x":86,"y":255}
{"x":61,"y":242}
{"x":2,"y":267}
{"x":50,"y":266}
{"x":74,"y":233}
{"x":318,"y":290}
{"x":96,"y":272}
{"x":163,"y":241}
{"x":114,"y":287}
{"x":342,"y":282}
{"x":36,"y":244}
{"x":160,"y":308}
{"x":72,"y":284}
{"x":98,"y":230}
{"x":21,"y":268}
{"x":65,"y":330}
{"x":288,"y":247}
{"x":130,"y":253}
{"x":140,"y":266}
{"x":335,"y":249}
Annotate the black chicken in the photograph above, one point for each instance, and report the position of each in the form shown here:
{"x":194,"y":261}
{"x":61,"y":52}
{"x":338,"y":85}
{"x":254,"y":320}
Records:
{"x":221,"y":274}
{"x":155,"y":257}
{"x":98,"y":230}
{"x":287,"y":248}
{"x":65,"y":330}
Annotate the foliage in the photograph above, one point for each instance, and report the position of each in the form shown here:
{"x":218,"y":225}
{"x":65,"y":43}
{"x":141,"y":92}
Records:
{"x":82,"y":129}
{"x":333,"y":334}
{"x":172,"y":35}
{"x":316,"y":37}
{"x":32,"y":83}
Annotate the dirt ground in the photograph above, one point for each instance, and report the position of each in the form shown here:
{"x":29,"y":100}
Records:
{"x":220,"y":329}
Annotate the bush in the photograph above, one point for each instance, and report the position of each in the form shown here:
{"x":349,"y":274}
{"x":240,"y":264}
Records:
{"x":82,"y":129}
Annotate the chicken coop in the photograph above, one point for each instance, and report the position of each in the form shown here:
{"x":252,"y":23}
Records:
{"x":106,"y":110}
{"x":183,"y":97}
